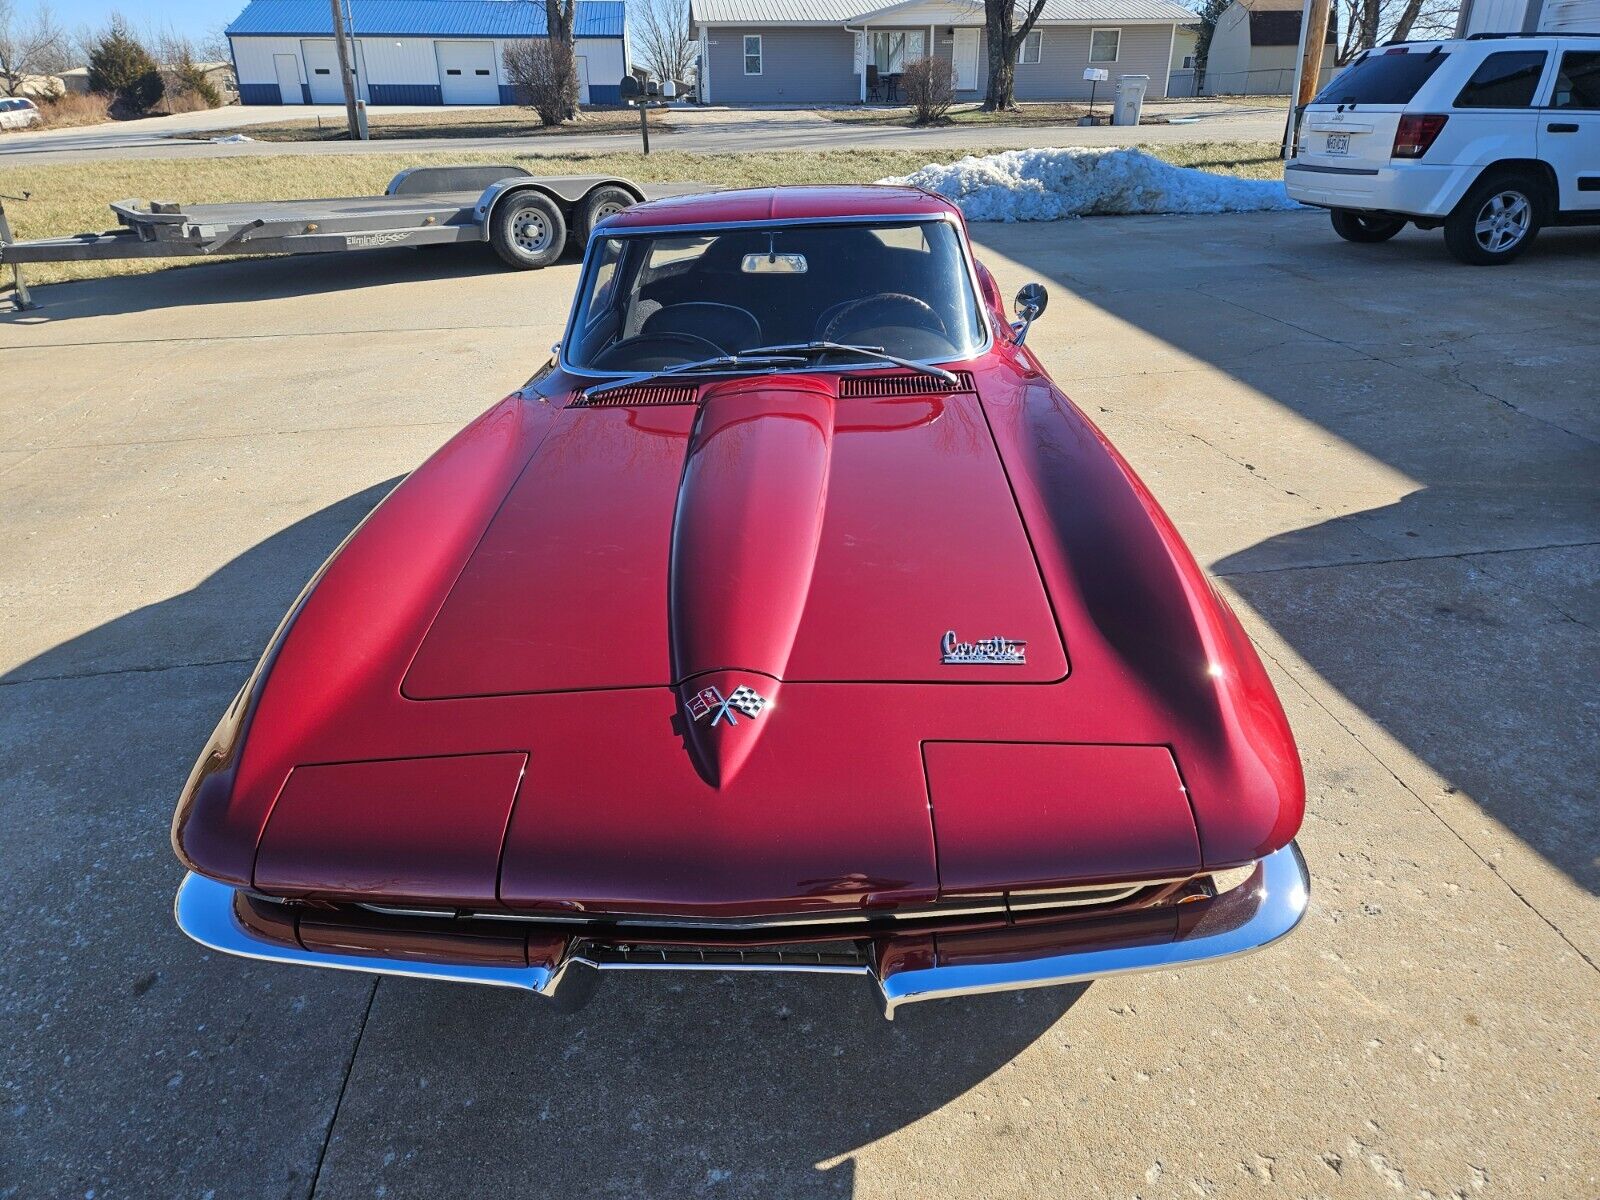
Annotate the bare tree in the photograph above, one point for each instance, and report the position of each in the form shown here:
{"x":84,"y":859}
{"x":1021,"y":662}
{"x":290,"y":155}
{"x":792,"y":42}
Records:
{"x":661,"y":33}
{"x":562,"y":61}
{"x":29,"y":46}
{"x":1368,"y":23}
{"x":544,"y":76}
{"x":1005,"y":39}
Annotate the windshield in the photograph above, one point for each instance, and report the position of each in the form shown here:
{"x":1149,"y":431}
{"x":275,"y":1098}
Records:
{"x":652,"y":301}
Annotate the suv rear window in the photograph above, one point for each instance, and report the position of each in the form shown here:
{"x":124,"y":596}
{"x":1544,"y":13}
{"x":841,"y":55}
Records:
{"x":1504,"y":80}
{"x":1382,"y":78}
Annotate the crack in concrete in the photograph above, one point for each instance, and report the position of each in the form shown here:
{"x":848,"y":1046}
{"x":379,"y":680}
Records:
{"x":71,"y":676}
{"x":344,"y":1084}
{"x":1420,"y":799}
{"x":1379,"y":562}
{"x":248,"y":433}
{"x":259,"y":337}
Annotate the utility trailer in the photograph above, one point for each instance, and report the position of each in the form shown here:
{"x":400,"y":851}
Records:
{"x":527,"y":218}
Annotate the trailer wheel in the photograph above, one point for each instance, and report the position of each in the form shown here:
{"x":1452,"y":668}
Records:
{"x":527,"y":230}
{"x":596,"y":207}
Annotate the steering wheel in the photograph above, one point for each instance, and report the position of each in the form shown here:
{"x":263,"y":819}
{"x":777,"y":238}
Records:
{"x":678,"y":347}
{"x":922,"y":316}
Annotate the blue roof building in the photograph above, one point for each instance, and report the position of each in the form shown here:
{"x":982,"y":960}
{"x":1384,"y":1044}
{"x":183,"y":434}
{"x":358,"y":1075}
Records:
{"x":415,"y":51}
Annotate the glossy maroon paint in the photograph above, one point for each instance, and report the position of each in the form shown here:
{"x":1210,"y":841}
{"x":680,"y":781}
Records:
{"x":557,"y":581}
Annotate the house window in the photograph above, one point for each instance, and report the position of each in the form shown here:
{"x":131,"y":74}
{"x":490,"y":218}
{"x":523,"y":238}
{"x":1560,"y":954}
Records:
{"x":752,"y":54}
{"x":1188,"y":62}
{"x":1104,"y":45}
{"x":892,"y":49}
{"x":1032,"y":47}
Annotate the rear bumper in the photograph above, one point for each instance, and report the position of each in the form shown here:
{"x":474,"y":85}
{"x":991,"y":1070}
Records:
{"x":905,"y":969}
{"x":1412,"y":189}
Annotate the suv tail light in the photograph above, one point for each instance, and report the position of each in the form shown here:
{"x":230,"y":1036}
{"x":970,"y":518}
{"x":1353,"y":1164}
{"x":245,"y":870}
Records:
{"x":1416,"y":133}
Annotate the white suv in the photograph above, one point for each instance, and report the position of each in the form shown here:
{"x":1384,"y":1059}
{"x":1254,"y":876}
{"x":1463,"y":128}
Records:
{"x":1490,"y":137}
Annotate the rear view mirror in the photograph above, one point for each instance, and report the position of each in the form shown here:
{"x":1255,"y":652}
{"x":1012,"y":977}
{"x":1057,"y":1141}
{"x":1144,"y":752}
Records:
{"x":774,"y":264}
{"x":1031,"y":301}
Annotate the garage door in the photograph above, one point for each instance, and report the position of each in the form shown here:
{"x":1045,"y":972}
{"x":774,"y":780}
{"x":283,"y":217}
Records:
{"x":322,"y":72}
{"x":466,"y":73}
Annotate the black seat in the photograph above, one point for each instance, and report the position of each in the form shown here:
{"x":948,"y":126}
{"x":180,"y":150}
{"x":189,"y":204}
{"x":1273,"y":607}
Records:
{"x":727,"y":325}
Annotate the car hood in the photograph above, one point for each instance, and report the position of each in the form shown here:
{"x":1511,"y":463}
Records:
{"x":772,"y":531}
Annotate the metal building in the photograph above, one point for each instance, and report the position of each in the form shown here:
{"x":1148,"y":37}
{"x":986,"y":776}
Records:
{"x":415,"y":51}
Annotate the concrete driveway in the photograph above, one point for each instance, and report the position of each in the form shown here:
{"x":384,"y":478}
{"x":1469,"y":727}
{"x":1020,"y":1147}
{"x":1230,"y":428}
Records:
{"x":701,"y":131}
{"x":1390,"y":460}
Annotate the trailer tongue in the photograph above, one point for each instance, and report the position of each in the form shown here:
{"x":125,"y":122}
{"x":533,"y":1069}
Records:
{"x":528,"y":219}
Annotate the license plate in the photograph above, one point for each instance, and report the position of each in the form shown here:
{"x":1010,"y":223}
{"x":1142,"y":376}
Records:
{"x":1338,"y":143}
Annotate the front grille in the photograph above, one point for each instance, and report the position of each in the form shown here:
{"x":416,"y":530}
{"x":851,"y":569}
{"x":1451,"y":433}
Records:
{"x":862,"y":387}
{"x":814,"y":954}
{"x":639,"y":395}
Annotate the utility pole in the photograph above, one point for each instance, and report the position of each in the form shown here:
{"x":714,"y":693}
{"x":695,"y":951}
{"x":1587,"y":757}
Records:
{"x":1307,"y":64}
{"x":358,"y":132}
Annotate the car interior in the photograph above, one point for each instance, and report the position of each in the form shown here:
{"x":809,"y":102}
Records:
{"x":659,"y":301}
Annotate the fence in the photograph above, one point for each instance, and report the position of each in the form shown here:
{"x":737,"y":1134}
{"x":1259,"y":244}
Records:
{"x":1273,"y":82}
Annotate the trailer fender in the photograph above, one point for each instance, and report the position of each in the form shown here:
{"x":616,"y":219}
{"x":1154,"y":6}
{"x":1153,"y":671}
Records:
{"x":568,"y":193}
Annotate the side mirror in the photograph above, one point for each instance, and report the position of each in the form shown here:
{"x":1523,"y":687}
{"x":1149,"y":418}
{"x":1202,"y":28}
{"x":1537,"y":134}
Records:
{"x":1030,"y":303}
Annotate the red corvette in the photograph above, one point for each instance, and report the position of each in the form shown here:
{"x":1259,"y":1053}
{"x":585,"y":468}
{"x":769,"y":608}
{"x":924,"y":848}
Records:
{"x":791,"y":619}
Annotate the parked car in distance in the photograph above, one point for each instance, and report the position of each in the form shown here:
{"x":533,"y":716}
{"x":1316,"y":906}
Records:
{"x":1490,"y":137}
{"x":789,"y":619}
{"x":18,"y":112}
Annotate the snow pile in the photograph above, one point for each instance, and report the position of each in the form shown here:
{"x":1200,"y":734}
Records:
{"x":1077,"y":181}
{"x":233,"y":139}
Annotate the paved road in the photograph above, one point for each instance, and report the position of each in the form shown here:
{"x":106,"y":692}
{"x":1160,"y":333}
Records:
{"x":711,"y":132}
{"x":1391,"y":462}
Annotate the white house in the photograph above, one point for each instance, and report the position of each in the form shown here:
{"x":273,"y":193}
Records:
{"x":414,"y":51}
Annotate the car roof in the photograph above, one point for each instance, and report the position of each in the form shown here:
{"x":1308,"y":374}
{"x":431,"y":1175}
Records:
{"x":797,"y":203}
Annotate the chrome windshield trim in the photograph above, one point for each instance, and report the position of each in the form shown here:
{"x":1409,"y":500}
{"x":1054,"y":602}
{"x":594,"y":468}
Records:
{"x":948,"y":218}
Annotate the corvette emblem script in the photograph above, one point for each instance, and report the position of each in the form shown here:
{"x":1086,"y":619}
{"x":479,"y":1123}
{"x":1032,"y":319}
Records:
{"x":990,"y":651}
{"x":709,"y":702}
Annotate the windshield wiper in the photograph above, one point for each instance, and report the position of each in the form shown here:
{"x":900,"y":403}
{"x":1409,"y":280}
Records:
{"x":747,"y":359}
{"x":877,"y":352}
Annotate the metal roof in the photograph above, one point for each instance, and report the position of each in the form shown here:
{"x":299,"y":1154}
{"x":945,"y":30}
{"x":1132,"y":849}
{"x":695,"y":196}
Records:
{"x":775,"y":12}
{"x":423,"y":18}
{"x":954,"y":12}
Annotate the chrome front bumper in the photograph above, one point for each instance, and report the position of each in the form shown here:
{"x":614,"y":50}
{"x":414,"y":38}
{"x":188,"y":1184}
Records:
{"x":1256,"y":913}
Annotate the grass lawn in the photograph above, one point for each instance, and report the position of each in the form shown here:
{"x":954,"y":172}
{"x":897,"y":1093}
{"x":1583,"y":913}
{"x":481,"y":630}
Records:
{"x":72,"y":198}
{"x":972,"y":114}
{"x":475,"y":122}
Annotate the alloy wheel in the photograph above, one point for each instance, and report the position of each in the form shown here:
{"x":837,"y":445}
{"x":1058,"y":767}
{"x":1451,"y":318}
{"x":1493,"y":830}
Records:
{"x":1503,"y":221}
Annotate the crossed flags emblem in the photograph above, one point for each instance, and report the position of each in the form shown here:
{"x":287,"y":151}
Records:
{"x":709,"y":702}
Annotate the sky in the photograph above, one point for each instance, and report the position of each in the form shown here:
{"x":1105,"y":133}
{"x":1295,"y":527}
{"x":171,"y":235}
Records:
{"x":193,"y":17}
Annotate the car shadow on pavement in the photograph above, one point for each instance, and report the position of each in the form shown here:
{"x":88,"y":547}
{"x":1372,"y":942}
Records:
{"x":243,"y":280}
{"x":140,"y":1064}
{"x":1435,"y":477}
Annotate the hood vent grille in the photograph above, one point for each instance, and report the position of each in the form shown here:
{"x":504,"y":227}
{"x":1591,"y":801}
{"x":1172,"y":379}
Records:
{"x":640,"y":394}
{"x":861,"y":387}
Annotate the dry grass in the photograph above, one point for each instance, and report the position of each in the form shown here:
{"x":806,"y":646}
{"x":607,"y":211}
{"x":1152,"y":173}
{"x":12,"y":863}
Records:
{"x":506,"y":121}
{"x":71,"y":109}
{"x":71,"y":198}
{"x":180,"y":102}
{"x":970,"y":114}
